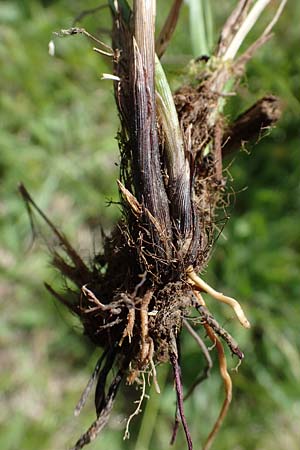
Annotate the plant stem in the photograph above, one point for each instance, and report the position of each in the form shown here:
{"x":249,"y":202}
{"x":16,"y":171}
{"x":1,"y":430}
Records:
{"x":197,"y":28}
{"x":146,"y":158}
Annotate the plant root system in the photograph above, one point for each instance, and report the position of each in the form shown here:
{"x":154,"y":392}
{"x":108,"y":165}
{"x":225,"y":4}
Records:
{"x":136,"y":296}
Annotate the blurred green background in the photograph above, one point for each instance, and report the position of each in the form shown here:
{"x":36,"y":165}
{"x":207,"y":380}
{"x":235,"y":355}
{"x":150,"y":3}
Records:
{"x":57,"y":128}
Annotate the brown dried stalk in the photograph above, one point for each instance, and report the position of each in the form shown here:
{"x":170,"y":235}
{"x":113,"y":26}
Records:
{"x":168,"y":28}
{"x":252,"y":124}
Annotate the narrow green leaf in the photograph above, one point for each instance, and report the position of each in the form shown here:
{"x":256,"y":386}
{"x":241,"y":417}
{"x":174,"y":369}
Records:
{"x":197,"y":28}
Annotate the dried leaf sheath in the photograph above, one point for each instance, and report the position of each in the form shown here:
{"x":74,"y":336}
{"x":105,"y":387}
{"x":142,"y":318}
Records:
{"x":146,"y":161}
{"x":150,"y":189}
{"x":177,"y":164}
{"x":145,"y":131}
{"x":136,"y":101}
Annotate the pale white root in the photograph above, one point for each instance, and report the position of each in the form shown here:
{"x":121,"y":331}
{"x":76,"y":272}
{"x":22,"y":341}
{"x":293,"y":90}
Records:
{"x":138,"y":410}
{"x":201,"y":284}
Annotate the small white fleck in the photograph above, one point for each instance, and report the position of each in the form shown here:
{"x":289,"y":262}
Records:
{"x":51,"y":48}
{"x":109,"y":76}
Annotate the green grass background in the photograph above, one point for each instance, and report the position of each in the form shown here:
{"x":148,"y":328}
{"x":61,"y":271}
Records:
{"x":57,"y":128}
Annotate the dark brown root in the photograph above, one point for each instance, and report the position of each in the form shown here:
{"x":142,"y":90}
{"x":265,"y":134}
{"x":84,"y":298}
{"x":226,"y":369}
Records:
{"x":179,"y":392}
{"x":175,"y":426}
{"x":103,"y":415}
{"x":207,"y":368}
{"x":89,"y":386}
